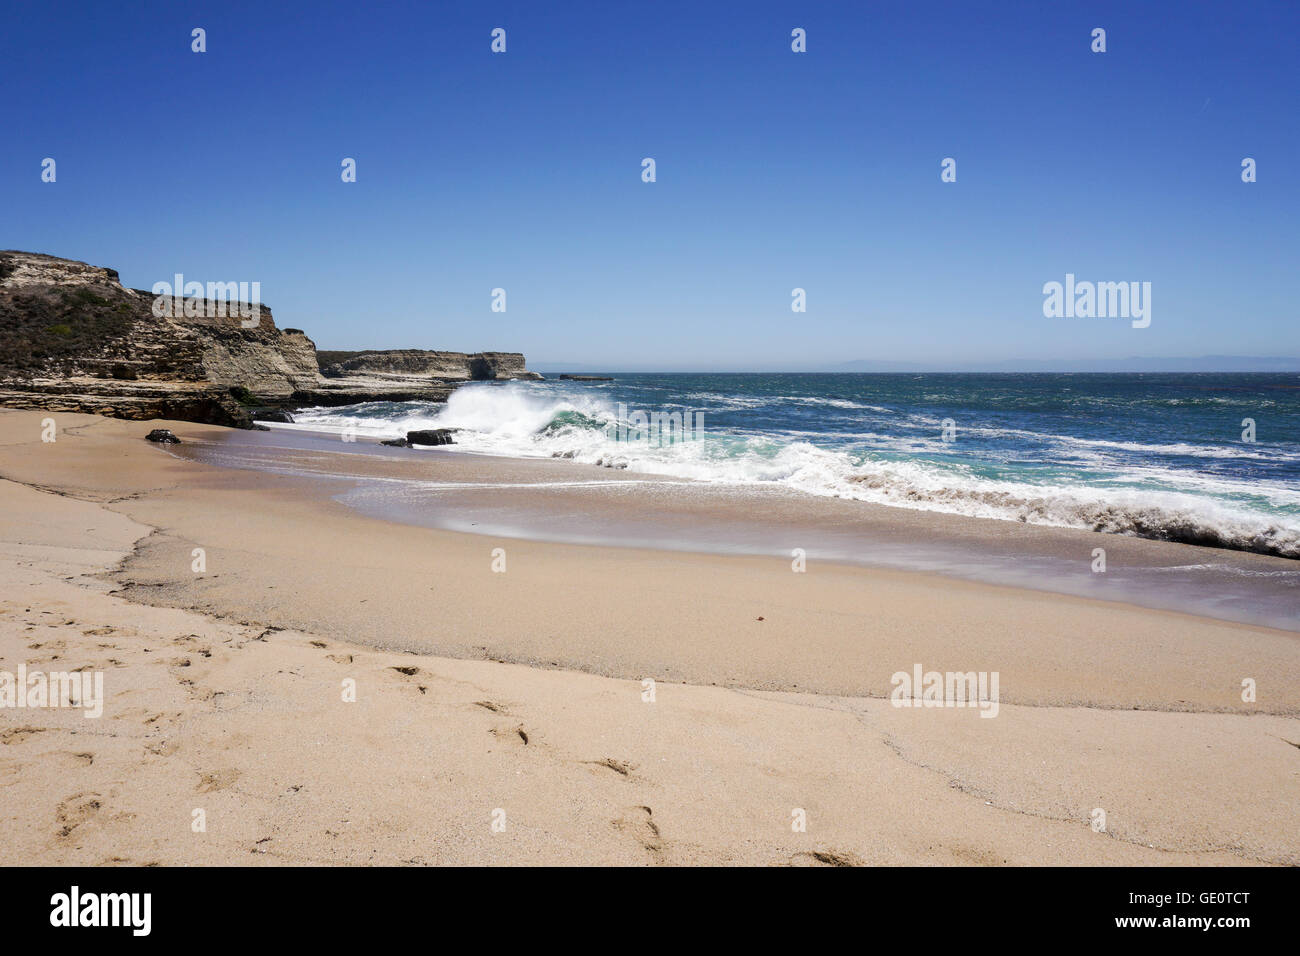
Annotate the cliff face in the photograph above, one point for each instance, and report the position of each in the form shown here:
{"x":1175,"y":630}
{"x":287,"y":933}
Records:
{"x":410,"y":374}
{"x":475,"y":366}
{"x":73,"y":338}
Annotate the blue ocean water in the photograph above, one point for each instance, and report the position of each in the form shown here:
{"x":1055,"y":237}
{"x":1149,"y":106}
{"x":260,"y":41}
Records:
{"x":1164,"y":456}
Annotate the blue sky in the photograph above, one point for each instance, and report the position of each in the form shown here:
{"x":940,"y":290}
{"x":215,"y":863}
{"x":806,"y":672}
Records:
{"x":775,"y":170}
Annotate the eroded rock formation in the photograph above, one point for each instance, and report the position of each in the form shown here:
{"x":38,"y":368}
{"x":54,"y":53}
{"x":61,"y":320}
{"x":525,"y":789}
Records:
{"x":73,"y":338}
{"x":408,"y":374}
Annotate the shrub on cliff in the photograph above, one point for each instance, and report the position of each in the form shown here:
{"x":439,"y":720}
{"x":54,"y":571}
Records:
{"x":55,"y":327}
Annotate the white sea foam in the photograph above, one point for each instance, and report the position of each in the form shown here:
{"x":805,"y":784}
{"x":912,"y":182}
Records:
{"x":913,"y":470}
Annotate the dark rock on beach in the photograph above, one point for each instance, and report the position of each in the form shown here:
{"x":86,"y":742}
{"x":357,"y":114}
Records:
{"x":396,"y":443}
{"x":272,"y":415}
{"x":431,"y":436}
{"x":163,"y":435}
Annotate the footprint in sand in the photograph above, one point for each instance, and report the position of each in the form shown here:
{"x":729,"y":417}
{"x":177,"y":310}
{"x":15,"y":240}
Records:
{"x":826,"y":858}
{"x":76,"y":810}
{"x":192,"y":639}
{"x":639,"y":823}
{"x":620,"y":767}
{"x":507,"y":732}
{"x":219,"y":780}
{"x":17,"y":735}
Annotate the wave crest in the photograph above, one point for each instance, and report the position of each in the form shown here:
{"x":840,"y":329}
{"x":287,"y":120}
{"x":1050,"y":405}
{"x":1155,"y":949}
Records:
{"x":550,"y":421}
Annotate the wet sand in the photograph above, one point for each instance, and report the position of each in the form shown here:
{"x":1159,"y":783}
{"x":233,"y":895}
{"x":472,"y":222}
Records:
{"x":562,"y":501}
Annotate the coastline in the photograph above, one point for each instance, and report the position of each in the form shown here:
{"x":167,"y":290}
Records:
{"x":1103,"y":704}
{"x":561,"y":501}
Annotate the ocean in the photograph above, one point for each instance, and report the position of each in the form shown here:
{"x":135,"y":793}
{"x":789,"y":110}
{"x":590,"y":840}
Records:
{"x":1164,"y":456}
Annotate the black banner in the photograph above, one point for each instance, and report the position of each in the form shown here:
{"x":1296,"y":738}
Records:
{"x":930,"y":907}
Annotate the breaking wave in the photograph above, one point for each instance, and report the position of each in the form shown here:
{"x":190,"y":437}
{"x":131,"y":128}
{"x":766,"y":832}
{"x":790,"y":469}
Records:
{"x":873,"y":453}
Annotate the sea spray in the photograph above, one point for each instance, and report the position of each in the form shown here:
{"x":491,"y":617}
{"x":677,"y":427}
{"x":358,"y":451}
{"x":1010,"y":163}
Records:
{"x":1153,"y":456}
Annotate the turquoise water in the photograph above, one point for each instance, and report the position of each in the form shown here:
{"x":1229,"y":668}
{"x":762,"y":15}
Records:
{"x":1155,"y":455}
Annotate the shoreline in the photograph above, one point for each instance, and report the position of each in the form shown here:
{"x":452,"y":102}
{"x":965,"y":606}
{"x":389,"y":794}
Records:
{"x":253,"y":730}
{"x":540,"y":499}
{"x":857,"y":616}
{"x":1037,"y":458}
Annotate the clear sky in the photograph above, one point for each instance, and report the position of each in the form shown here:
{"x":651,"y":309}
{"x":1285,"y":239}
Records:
{"x":775,"y":170}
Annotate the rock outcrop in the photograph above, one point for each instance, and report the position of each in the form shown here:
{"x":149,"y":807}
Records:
{"x":73,"y":338}
{"x":409,"y":374}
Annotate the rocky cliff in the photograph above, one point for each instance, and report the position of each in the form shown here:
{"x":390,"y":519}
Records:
{"x":73,"y":338}
{"x":410,"y":374}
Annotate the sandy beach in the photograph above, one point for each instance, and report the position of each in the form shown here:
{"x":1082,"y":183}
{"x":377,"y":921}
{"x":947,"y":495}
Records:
{"x":521,"y":697}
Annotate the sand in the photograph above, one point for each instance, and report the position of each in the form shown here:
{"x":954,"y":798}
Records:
{"x":518,"y":697}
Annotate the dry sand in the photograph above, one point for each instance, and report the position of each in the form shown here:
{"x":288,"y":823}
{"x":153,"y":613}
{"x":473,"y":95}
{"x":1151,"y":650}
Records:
{"x":522,"y":692}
